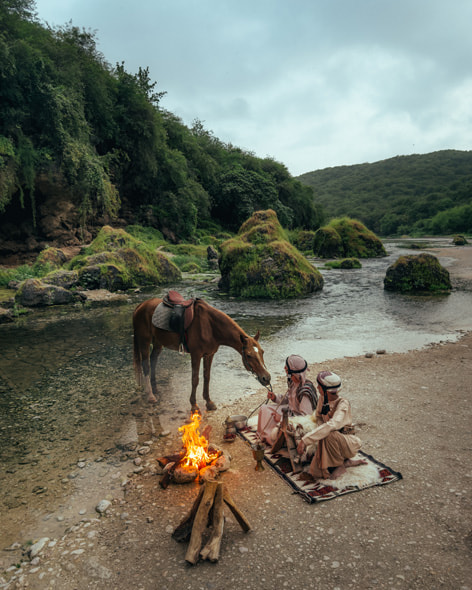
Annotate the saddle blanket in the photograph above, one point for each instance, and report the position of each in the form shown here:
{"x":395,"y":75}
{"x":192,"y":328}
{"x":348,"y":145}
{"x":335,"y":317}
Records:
{"x":161,"y":317}
{"x":355,"y":479}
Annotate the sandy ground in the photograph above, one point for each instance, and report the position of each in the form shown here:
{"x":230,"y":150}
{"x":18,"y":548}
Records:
{"x":414,"y":414}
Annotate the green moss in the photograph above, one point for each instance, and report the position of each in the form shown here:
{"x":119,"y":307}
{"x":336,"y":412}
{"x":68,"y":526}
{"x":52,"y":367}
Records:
{"x":199,"y":250}
{"x":303,"y":240}
{"x":152,"y":237}
{"x":109,"y":239}
{"x":48,"y":260}
{"x":116,"y":260}
{"x":327,"y":243}
{"x":345,"y":263}
{"x":420,"y":272}
{"x":260,"y":262}
{"x":19,"y":273}
{"x":262,"y":227}
{"x":358,"y":241}
{"x":459,"y":240}
{"x":347,"y":238}
{"x":190,"y":267}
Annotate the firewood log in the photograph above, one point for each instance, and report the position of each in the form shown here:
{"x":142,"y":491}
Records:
{"x":184,"y":529}
{"x":242,"y":520}
{"x":211,"y":551}
{"x":200,"y":522}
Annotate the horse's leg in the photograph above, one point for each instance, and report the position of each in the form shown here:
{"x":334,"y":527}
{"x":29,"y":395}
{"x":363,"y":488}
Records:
{"x":156,"y":351}
{"x":207,"y":360}
{"x":195,"y":379}
{"x":147,"y":378}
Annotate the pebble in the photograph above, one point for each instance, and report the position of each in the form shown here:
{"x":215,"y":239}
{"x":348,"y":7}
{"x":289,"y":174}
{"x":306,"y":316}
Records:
{"x":144,"y":450}
{"x":37,"y":547}
{"x":103,"y":506}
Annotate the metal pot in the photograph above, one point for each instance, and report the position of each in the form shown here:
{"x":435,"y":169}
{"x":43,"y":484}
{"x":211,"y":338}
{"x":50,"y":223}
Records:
{"x":239,"y":421}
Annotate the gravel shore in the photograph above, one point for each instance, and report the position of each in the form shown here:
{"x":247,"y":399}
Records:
{"x":413,"y":413}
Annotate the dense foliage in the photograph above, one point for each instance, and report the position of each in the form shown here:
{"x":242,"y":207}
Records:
{"x":99,"y":133}
{"x":416,"y":195}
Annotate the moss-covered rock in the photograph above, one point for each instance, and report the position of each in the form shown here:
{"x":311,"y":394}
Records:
{"x":345,"y":263}
{"x":62,"y":278}
{"x":36,"y":293}
{"x":49,"y":259}
{"x":459,"y":240}
{"x":260,"y":262}
{"x":347,"y":238}
{"x":328,"y":243}
{"x":115,"y":260}
{"x":303,"y":240}
{"x":191,"y":267}
{"x":417,"y":272}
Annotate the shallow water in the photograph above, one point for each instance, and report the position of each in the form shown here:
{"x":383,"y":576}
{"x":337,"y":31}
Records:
{"x":66,"y":378}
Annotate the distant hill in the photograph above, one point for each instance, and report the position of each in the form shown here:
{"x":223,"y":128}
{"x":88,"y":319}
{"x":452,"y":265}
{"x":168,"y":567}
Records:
{"x":417,"y":194}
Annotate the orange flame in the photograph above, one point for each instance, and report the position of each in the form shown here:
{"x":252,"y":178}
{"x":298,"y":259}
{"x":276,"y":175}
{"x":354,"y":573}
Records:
{"x":195,"y":445}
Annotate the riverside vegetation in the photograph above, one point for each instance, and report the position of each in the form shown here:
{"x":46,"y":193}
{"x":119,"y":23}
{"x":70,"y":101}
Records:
{"x":84,"y":144}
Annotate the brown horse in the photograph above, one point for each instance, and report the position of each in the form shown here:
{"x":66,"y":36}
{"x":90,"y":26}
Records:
{"x":210,"y":329}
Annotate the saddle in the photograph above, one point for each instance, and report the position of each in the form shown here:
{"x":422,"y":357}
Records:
{"x":179,"y":316}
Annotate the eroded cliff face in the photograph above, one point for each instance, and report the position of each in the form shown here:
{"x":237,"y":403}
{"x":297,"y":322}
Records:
{"x":56,"y":222}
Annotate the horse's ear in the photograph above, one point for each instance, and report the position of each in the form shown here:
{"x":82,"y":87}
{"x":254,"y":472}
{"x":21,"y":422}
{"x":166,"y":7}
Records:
{"x":256,"y":337}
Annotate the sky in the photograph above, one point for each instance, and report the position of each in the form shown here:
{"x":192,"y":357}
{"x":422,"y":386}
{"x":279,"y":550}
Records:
{"x":310,"y":83}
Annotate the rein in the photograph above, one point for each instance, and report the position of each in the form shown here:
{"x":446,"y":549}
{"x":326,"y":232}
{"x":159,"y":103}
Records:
{"x":269,"y":387}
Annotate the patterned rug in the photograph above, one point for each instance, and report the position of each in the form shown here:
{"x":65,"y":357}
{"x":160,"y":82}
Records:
{"x":355,"y":479}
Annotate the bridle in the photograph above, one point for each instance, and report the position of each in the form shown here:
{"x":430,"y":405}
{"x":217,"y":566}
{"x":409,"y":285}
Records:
{"x":246,"y":364}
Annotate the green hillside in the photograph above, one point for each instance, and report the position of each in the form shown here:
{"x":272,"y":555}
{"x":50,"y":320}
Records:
{"x":417,"y":194}
{"x":88,"y":139}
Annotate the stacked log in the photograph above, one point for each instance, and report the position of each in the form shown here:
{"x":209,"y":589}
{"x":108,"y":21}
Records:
{"x":207,"y":511}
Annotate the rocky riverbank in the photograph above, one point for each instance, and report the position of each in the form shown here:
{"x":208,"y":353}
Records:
{"x":413,"y":413}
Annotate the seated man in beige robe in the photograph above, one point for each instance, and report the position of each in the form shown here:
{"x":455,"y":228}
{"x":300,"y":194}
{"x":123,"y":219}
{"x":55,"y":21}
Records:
{"x":335,"y":445}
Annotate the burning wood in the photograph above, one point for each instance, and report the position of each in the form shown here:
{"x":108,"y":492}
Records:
{"x":197,"y":460}
{"x":207,"y":511}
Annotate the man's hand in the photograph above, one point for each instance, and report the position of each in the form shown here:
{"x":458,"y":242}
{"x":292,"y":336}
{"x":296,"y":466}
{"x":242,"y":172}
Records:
{"x":301,"y":447}
{"x":271,"y":395}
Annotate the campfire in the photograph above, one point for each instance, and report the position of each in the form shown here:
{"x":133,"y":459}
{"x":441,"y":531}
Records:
{"x":198,"y":459}
{"x":197,"y":455}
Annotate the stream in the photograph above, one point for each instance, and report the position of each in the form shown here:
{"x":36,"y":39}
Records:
{"x":68,"y":394}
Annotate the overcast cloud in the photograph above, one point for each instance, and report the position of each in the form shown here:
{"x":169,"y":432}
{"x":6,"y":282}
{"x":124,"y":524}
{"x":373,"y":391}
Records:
{"x":310,"y":83}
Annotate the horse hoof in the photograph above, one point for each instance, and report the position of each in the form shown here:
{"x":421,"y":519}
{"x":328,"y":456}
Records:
{"x":152,"y":400}
{"x":195,"y":409}
{"x":211,"y":406}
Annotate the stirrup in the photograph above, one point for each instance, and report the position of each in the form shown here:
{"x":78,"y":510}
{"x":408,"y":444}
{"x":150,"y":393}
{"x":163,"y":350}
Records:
{"x":181,"y":349}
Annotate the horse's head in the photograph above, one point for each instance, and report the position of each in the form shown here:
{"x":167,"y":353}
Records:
{"x":253,"y":358}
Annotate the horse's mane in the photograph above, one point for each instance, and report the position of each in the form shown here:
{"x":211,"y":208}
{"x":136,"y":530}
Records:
{"x":217,"y":313}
